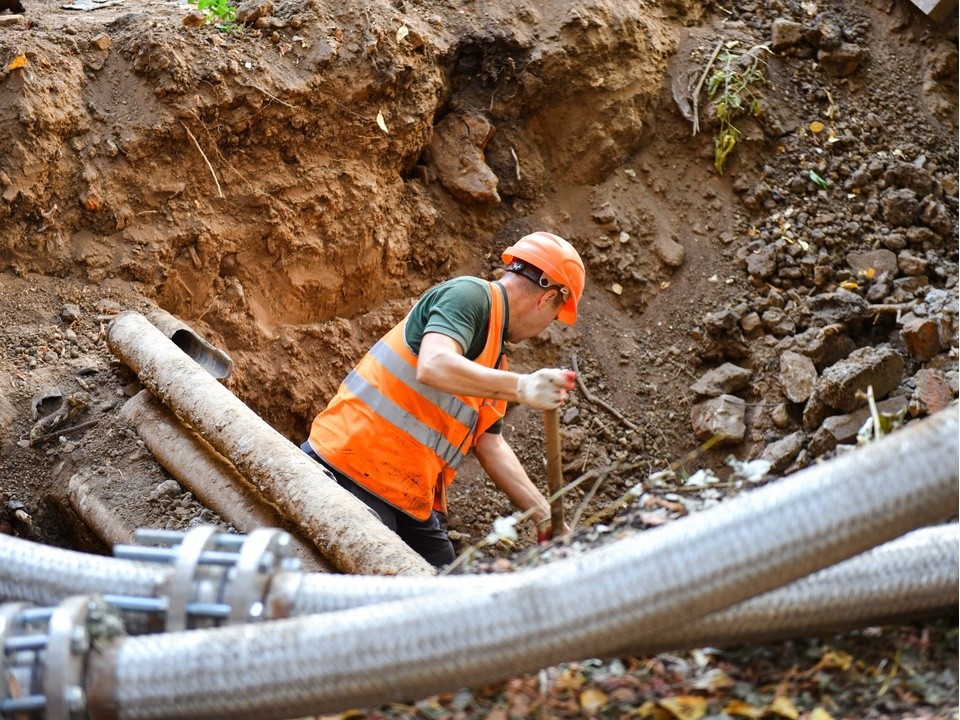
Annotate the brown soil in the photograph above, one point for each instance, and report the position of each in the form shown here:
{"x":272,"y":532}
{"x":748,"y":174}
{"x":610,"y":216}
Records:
{"x":241,"y":180}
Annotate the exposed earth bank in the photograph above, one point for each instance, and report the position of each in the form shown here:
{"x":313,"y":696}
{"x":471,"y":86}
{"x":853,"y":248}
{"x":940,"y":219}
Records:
{"x":289,"y":186}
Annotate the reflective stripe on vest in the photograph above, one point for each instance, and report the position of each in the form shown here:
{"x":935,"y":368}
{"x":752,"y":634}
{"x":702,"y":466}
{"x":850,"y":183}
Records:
{"x":402,"y":420}
{"x":400,"y":439}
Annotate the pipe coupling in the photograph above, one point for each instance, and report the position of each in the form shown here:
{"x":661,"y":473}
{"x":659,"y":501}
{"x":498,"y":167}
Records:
{"x":45,"y":655}
{"x":215,"y":578}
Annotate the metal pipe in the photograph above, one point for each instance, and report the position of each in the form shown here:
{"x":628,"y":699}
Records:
{"x":210,"y":476}
{"x":341,"y":526}
{"x":211,"y":358}
{"x":584,"y":607}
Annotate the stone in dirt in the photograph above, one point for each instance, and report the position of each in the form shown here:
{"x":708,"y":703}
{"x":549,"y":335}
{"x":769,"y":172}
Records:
{"x":782,"y":452}
{"x":839,"y":429}
{"x":824,"y":346}
{"x":933,"y":391}
{"x":785,"y":34}
{"x":763,"y":262}
{"x":798,"y":375}
{"x":457,"y":153}
{"x":878,"y":261}
{"x":840,"y":306}
{"x":843,"y":384}
{"x":843,"y":61}
{"x":728,"y":378}
{"x":722,"y":417}
{"x":921,"y":337}
{"x":669,"y":251}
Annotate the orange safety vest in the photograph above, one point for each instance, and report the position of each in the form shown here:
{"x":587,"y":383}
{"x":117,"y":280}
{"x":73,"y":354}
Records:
{"x":400,"y":439}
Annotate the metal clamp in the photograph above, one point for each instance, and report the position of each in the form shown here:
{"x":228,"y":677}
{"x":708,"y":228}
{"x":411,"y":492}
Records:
{"x":215,"y":579}
{"x":44,"y":656}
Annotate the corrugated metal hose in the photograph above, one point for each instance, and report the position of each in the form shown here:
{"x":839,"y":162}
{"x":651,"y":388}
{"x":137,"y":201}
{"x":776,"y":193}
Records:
{"x":716,"y":577}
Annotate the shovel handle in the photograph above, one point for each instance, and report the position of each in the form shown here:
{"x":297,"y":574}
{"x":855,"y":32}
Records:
{"x":551,"y":428}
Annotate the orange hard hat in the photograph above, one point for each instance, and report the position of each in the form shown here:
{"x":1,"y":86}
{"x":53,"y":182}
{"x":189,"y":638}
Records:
{"x":558,"y":260}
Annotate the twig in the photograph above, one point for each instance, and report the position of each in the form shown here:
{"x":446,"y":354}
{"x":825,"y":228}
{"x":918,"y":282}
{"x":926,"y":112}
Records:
{"x":64,"y":431}
{"x":696,"y":92}
{"x":272,"y":97}
{"x":597,"y":401}
{"x":584,"y":503}
{"x":204,"y":156}
{"x":891,"y":309}
{"x":695,"y":488}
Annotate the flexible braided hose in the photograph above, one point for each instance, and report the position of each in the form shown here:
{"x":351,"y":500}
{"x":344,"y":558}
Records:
{"x":912,"y":577}
{"x":907,"y":577}
{"x":584,"y":607}
{"x":44,"y":575}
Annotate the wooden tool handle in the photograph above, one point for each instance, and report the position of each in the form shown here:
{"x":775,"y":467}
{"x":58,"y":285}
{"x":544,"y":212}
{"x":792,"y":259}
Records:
{"x":551,"y":428}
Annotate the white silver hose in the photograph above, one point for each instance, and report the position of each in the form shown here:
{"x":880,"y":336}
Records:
{"x":583,"y":607}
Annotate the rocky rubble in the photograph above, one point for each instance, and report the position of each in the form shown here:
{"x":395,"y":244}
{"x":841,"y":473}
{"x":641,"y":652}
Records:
{"x":851,"y":250}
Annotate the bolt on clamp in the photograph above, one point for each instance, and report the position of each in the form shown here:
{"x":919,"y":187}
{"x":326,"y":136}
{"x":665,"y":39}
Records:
{"x":215,"y":578}
{"x":44,"y":655}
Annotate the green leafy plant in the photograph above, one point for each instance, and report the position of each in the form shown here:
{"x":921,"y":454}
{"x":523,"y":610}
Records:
{"x":220,"y":12}
{"x":731,"y":88}
{"x":821,"y":182}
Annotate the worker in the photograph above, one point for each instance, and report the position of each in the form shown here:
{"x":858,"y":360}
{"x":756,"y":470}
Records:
{"x":437,"y":385}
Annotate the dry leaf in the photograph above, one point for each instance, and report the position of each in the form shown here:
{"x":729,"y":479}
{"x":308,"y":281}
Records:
{"x":819,"y":714}
{"x":18,"y":62}
{"x":816,"y":126}
{"x":685,"y":707}
{"x":835,"y":658}
{"x":784,"y":707}
{"x":402,"y":32}
{"x":849,"y":285}
{"x":870,"y":273}
{"x":592,"y":699}
{"x":381,"y":123}
{"x":739,"y":708}
{"x":714,"y":679}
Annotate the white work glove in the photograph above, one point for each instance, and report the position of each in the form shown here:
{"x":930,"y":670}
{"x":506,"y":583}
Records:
{"x":545,"y":389}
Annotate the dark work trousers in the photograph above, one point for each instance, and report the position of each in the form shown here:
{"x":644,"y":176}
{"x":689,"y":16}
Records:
{"x":427,"y":537}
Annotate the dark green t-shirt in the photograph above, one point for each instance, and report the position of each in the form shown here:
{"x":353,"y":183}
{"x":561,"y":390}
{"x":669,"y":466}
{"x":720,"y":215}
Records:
{"x":458,"y":308}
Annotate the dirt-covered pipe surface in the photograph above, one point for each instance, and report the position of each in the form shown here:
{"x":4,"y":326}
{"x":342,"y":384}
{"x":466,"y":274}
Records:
{"x":342,"y":527}
{"x":587,"y":607}
{"x":208,"y":475}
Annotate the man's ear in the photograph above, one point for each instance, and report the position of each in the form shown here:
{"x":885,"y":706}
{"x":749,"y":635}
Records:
{"x":550,"y":296}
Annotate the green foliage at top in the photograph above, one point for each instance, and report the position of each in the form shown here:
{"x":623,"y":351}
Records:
{"x":731,"y":88}
{"x":220,"y":12}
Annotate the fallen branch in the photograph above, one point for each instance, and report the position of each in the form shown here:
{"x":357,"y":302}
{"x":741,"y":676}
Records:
{"x":597,"y":401}
{"x":63,"y":431}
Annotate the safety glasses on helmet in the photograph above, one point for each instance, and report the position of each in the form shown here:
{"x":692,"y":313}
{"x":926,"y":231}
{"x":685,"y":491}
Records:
{"x":537,"y":276}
